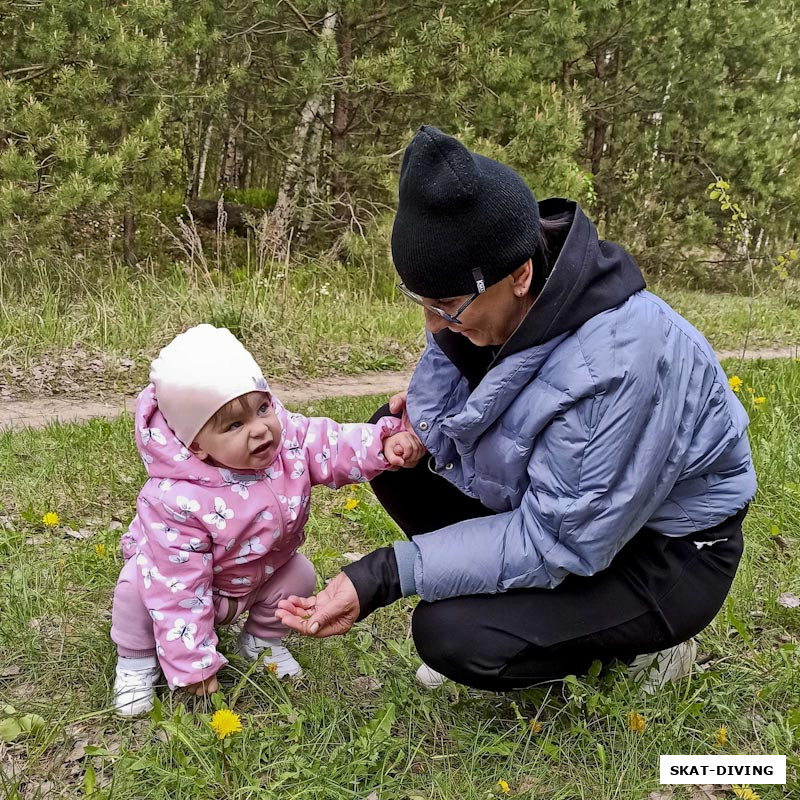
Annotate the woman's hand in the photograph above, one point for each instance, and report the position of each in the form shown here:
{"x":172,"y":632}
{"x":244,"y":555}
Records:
{"x":332,"y":612}
{"x":397,"y":403}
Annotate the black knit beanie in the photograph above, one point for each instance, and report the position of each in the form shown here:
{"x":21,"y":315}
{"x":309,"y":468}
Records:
{"x":457,"y":211}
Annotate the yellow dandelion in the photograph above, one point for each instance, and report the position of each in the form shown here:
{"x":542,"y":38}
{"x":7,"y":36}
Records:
{"x":535,"y":726}
{"x":751,"y":390}
{"x":50,"y":519}
{"x":745,"y":792}
{"x":735,"y":382}
{"x":225,"y":722}
{"x":636,"y":722}
{"x":759,"y":401}
{"x":272,"y":667}
{"x":722,"y":736}
{"x":503,"y":786}
{"x":351,"y":503}
{"x":100,"y":549}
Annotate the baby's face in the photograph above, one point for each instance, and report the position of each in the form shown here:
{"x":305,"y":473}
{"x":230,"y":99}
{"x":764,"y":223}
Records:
{"x":245,"y":437}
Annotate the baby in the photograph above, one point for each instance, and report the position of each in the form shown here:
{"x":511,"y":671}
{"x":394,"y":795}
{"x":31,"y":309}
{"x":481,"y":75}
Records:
{"x":220,"y":518}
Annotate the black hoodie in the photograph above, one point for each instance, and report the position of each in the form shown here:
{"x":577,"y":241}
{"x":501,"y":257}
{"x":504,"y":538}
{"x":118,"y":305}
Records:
{"x":589,"y":276}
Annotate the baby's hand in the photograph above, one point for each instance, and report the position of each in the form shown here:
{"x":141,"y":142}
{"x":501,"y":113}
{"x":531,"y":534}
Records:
{"x":403,"y":449}
{"x":208,"y":686}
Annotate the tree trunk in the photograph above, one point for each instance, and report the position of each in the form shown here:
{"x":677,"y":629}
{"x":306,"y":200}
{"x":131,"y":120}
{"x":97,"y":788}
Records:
{"x":191,"y":142}
{"x":231,"y":163}
{"x":600,"y":124}
{"x":129,"y":237}
{"x":565,"y":75}
{"x":311,"y":189}
{"x":201,"y":169}
{"x":342,"y":109}
{"x":281,"y":218}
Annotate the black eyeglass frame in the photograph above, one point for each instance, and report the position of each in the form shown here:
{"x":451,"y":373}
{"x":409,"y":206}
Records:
{"x":453,"y":319}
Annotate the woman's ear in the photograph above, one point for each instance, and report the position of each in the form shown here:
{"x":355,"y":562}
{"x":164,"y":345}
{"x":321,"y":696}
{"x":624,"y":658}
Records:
{"x":521,"y":279}
{"x":198,"y":451}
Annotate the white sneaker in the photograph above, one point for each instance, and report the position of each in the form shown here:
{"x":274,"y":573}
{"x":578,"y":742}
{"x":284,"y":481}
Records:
{"x":271,"y":652}
{"x":653,"y":670}
{"x":429,"y":678}
{"x":135,"y":686}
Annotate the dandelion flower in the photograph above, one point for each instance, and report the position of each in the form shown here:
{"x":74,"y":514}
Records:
{"x":350,"y":503}
{"x":636,"y":722}
{"x":735,"y":382}
{"x":100,"y":549}
{"x":745,"y":792}
{"x":535,"y":726}
{"x":503,"y":786}
{"x":722,"y":736}
{"x":759,"y":401}
{"x":272,"y":667}
{"x":225,"y":722}
{"x":50,"y":519}
{"x":751,"y":390}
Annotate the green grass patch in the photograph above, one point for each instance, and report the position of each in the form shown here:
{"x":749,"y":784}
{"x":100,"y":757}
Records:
{"x":724,"y":318}
{"x":68,"y":327}
{"x":358,"y":723}
{"x":77,"y":327}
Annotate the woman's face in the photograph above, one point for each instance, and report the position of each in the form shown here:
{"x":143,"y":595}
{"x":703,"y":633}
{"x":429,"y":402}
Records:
{"x":493,"y":316}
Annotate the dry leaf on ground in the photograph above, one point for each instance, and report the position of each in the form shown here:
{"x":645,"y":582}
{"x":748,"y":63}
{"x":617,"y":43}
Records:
{"x":366,"y":683}
{"x":709,"y":791}
{"x":78,"y":750}
{"x":81,"y":533}
{"x":789,"y":600}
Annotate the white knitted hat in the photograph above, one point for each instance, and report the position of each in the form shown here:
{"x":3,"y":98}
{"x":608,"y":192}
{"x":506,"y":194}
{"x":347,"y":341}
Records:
{"x":197,"y":373}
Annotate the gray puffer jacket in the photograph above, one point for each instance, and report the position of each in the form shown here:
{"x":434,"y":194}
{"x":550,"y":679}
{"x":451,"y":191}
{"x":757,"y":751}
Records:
{"x":604,"y":412}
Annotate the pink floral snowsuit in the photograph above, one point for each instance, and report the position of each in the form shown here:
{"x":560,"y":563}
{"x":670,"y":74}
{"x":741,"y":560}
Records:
{"x":206,"y":540}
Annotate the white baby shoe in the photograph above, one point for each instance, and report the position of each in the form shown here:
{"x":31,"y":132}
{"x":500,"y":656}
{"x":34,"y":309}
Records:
{"x":429,"y":678}
{"x":271,"y":651}
{"x":654,"y":670}
{"x":135,"y":685}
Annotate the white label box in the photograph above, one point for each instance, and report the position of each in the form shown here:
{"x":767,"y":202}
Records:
{"x":723,"y":769}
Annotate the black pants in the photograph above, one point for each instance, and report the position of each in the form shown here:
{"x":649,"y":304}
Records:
{"x":658,"y":591}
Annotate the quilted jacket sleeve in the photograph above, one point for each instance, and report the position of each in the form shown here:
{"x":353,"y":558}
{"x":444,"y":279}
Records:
{"x":338,"y":454}
{"x":615,"y":450}
{"x":176,"y":574}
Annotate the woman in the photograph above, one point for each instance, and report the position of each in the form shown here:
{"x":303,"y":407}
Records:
{"x":588,"y":467}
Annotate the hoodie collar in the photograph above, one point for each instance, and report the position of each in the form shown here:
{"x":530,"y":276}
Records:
{"x":589,"y":276}
{"x":166,"y":458}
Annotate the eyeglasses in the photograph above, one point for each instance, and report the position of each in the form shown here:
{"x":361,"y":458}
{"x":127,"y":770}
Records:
{"x":480,"y":286}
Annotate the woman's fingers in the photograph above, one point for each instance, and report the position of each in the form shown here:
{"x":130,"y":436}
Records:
{"x":293,"y":621}
{"x":333,"y":611}
{"x":397,"y":402}
{"x":299,"y":602}
{"x":294,"y":612}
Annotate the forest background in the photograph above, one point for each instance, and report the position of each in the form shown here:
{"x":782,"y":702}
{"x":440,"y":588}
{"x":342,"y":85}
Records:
{"x":114,"y":115}
{"x":166,"y":163}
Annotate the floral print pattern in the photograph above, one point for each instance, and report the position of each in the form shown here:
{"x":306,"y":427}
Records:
{"x":202,"y":530}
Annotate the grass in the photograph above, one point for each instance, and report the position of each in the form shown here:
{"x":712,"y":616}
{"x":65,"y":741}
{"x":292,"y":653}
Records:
{"x":63,"y":329}
{"x":68,"y":327}
{"x":358,"y":724}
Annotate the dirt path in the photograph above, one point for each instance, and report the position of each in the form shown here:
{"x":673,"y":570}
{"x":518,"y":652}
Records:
{"x":39,"y":411}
